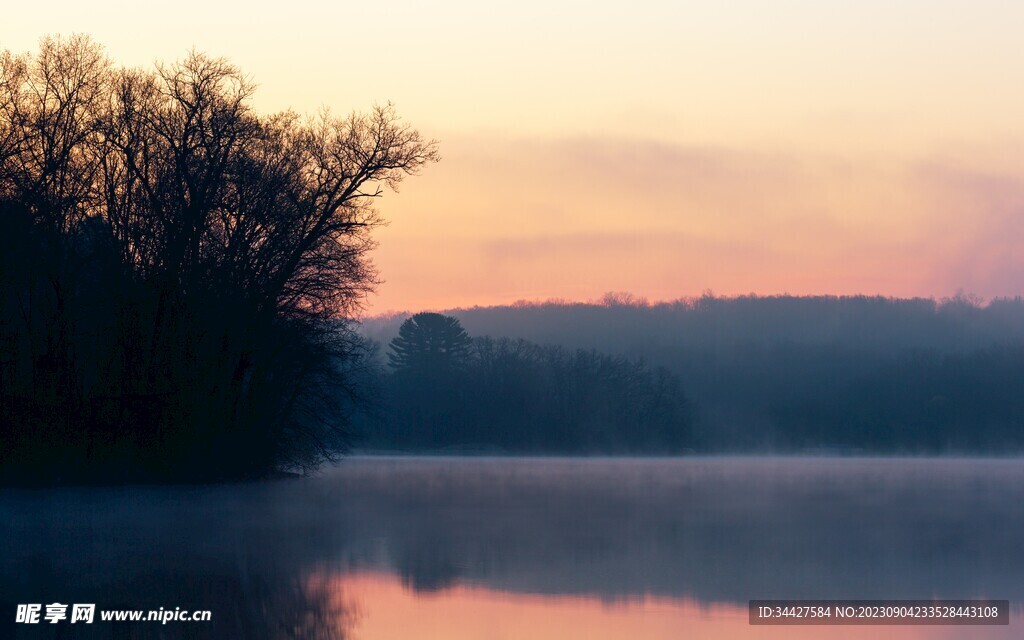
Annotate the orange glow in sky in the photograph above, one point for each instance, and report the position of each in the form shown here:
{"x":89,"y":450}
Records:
{"x":663,"y":148}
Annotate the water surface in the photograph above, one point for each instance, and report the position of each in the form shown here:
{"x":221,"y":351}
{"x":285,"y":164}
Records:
{"x":407,"y":547}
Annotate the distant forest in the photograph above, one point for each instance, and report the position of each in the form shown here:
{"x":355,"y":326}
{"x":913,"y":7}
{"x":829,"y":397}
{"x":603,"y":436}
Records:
{"x":782,"y":373}
{"x":447,"y":391}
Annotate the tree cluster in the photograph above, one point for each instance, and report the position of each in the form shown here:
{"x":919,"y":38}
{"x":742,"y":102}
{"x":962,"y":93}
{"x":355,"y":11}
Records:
{"x":177,"y":269}
{"x":448,"y":391}
{"x":786,"y":373}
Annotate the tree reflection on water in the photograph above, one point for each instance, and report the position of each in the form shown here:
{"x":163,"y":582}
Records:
{"x":265,"y":558}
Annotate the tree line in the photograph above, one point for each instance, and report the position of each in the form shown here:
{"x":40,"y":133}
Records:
{"x":444,"y":390}
{"x":762,"y":374}
{"x":178,"y":272}
{"x":620,"y":322}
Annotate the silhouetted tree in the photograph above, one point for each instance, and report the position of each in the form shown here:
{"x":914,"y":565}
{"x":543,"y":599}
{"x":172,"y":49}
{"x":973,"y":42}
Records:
{"x":430,"y":342}
{"x":520,"y":396}
{"x":187,"y":306}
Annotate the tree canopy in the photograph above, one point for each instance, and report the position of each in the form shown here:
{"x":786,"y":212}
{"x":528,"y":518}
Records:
{"x":514,"y":395}
{"x":187,"y":267}
{"x":430,"y":342}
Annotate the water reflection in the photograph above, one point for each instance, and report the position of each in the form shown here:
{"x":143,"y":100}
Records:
{"x":390,"y":611}
{"x":648,"y":544}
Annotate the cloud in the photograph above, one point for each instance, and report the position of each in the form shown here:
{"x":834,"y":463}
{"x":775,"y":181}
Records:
{"x":503,"y":219}
{"x":978,"y":228}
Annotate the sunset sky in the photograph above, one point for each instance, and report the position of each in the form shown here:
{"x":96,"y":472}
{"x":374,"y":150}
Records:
{"x":662,"y":148}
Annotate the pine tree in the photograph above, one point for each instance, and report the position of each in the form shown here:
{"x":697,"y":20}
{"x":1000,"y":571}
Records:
{"x":430,"y":342}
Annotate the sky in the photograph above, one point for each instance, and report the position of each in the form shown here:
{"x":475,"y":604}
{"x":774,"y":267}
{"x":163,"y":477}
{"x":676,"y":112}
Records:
{"x":660,"y":148}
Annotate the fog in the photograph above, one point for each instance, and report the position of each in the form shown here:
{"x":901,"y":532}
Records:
{"x":849,"y":374}
{"x":717,"y":529}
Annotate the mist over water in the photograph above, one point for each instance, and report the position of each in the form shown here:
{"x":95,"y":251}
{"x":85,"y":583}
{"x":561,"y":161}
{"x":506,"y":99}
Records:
{"x":713,"y":531}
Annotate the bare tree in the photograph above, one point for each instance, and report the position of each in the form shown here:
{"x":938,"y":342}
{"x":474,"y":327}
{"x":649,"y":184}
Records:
{"x":236,"y":242}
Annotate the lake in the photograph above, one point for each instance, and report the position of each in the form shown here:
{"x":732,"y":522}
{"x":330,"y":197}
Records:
{"x":382,"y":548}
